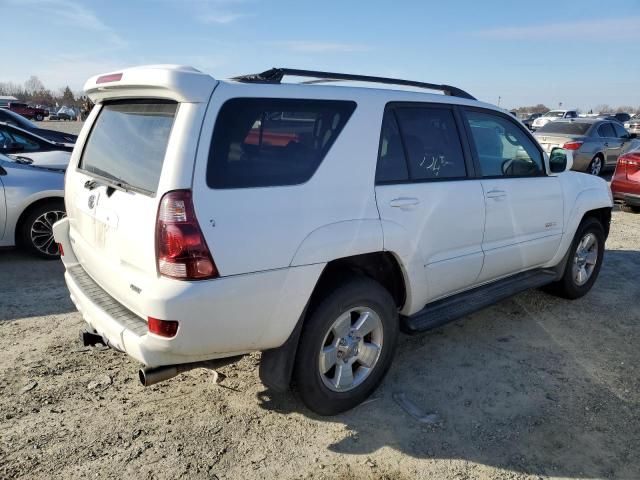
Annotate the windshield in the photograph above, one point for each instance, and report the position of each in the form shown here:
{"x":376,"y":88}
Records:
{"x":555,"y":113}
{"x":566,"y":128}
{"x":128,"y":142}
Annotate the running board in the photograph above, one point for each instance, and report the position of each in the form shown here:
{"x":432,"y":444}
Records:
{"x":438,"y":313}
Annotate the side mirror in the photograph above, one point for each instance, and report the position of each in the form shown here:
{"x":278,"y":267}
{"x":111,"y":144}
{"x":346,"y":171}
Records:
{"x":560,"y":160}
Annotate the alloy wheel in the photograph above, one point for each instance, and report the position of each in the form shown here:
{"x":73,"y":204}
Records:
{"x":41,"y":233}
{"x":585,"y":259}
{"x":350,"y":349}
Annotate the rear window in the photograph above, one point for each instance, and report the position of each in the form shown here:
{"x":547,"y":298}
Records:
{"x":573,"y":128}
{"x":265,"y":142}
{"x":128,"y":142}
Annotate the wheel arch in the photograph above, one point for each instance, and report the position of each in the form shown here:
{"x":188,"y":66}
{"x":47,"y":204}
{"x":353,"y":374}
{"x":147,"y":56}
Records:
{"x":28,"y":209}
{"x":276,"y":365}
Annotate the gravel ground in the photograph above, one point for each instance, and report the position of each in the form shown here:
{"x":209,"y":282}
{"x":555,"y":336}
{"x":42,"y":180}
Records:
{"x":533,"y":387}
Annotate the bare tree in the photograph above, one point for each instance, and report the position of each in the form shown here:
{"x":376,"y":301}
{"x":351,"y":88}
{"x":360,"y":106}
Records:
{"x":33,"y":85}
{"x":602,"y":108}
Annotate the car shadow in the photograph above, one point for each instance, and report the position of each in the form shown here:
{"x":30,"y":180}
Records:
{"x":535,"y":384}
{"x":30,"y":286}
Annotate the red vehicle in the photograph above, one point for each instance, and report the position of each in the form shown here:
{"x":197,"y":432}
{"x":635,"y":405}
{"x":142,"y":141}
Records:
{"x":26,"y":111}
{"x":625,"y":184}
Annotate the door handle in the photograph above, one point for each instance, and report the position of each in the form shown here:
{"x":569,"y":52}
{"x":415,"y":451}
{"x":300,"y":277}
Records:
{"x":606,"y":144}
{"x":404,"y":203}
{"x":496,"y":193}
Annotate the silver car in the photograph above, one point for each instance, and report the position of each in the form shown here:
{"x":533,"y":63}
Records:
{"x":31,"y":201}
{"x":633,"y":124}
{"x":596,"y":143}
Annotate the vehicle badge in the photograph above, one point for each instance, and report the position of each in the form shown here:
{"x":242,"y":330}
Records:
{"x":92,"y":201}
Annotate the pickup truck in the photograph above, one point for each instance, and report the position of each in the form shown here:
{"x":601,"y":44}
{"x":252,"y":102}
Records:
{"x":32,"y":113}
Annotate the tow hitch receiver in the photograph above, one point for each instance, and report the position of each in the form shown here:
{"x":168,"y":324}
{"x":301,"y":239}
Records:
{"x":90,"y":339}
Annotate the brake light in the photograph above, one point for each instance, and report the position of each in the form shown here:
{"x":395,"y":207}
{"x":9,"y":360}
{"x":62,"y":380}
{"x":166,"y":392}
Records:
{"x":164,"y":328}
{"x":181,"y":250}
{"x":630,"y":159}
{"x":572,"y":145}
{"x":60,"y":249}
{"x":113,"y":77}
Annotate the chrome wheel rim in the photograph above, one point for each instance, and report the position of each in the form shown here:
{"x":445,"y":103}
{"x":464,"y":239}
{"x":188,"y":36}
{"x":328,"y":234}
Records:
{"x":41,"y":234}
{"x":585,"y":259}
{"x":351,"y":349}
{"x":596,"y":166}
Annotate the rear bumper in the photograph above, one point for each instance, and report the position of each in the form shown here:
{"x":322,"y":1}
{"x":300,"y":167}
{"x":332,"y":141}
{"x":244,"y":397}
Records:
{"x":629,"y":198}
{"x":220,"y":318}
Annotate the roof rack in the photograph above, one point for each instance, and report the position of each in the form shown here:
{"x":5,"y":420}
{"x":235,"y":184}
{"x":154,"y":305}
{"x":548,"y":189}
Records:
{"x":275,"y":75}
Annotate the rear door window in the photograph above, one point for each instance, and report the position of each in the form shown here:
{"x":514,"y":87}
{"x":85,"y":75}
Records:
{"x":128,"y":142}
{"x":265,"y":142}
{"x":606,"y":131}
{"x":392,"y":164}
{"x":431,"y":143}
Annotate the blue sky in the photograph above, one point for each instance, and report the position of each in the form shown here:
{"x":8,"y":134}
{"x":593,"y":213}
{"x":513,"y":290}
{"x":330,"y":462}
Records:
{"x":582,"y":53}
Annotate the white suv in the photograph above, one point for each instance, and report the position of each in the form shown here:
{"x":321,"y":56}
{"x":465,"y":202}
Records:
{"x":208,"y":219}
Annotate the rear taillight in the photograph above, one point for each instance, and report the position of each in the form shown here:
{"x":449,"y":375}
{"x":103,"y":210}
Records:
{"x":181,"y":250}
{"x":164,"y":328}
{"x":60,"y":250}
{"x":572,"y":145}
{"x":632,"y":159}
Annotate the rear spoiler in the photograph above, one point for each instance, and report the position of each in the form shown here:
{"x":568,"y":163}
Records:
{"x":177,"y":82}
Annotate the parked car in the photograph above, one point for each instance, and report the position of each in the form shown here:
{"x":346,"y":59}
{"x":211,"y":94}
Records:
{"x":529,"y":120}
{"x":633,"y":125}
{"x":32,"y":113}
{"x":12,"y":118}
{"x":553,"y":116}
{"x":66,"y":113}
{"x":596,"y":144}
{"x":619,"y":117}
{"x":196,"y":233}
{"x":625,"y":184}
{"x":31,"y":201}
{"x":16,"y":140}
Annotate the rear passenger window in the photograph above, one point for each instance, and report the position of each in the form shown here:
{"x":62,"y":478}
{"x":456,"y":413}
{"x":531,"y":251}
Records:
{"x":431,"y":143}
{"x":503,"y":148}
{"x":263,"y":142}
{"x":606,"y":130}
{"x":392,"y":165}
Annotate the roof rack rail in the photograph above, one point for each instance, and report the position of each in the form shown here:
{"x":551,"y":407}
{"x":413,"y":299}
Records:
{"x":275,"y":75}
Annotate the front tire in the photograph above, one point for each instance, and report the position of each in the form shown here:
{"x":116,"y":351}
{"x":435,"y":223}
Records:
{"x":39,"y":118}
{"x":629,"y":208}
{"x":36,"y":229}
{"x":584,"y":261}
{"x":346,"y":346}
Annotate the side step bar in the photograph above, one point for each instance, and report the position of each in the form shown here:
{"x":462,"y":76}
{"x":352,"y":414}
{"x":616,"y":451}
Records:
{"x":443,"y":311}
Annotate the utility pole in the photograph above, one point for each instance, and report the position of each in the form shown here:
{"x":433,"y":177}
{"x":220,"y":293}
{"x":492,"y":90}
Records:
{"x":499,"y":97}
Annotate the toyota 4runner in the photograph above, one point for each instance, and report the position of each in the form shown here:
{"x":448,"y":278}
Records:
{"x":208,"y":219}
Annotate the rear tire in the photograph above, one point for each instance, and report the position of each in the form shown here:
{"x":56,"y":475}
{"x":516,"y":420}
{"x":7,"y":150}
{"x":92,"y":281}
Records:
{"x":346,"y":346}
{"x":36,"y":229}
{"x":596,"y":165}
{"x":39,"y":118}
{"x":584,"y":261}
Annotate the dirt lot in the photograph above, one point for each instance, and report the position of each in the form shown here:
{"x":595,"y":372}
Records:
{"x":533,"y":387}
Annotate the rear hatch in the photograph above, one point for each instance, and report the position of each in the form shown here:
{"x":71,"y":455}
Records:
{"x":129,"y":159}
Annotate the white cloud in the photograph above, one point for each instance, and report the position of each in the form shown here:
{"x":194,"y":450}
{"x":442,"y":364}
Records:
{"x":612,"y":28}
{"x":72,"y":14}
{"x":321,"y":47}
{"x":220,"y":18}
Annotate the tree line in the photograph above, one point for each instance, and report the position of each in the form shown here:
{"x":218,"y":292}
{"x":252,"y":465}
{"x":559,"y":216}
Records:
{"x":34,"y":92}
